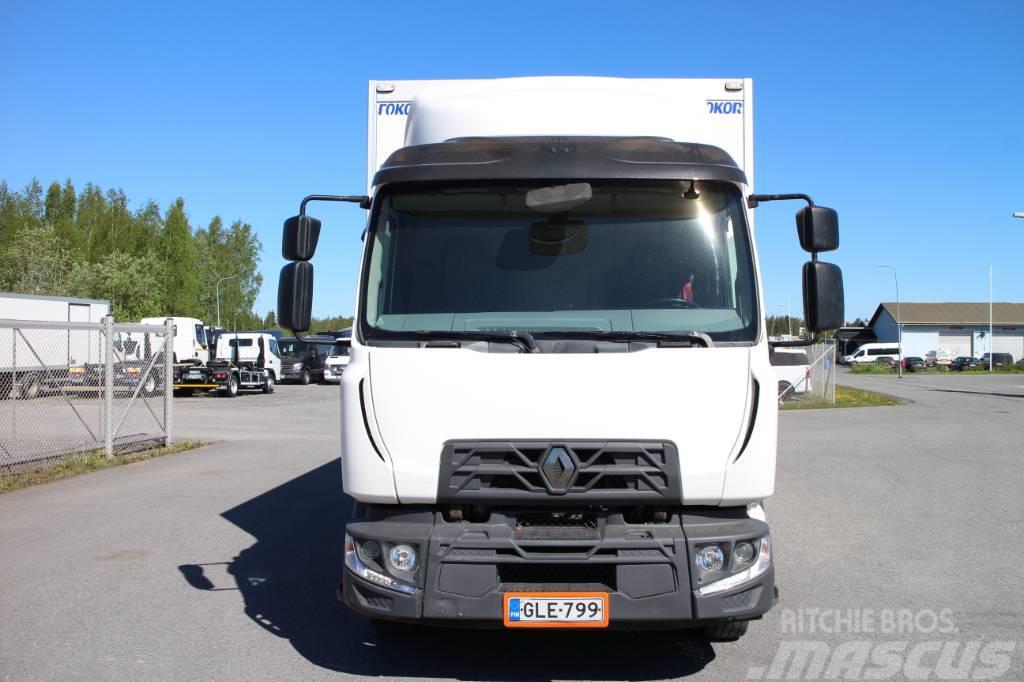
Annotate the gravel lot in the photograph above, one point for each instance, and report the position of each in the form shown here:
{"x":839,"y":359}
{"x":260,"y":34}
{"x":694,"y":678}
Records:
{"x":222,"y":562}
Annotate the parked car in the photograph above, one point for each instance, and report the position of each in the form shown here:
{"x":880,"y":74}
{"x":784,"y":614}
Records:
{"x":303,"y":360}
{"x":938,"y":358}
{"x":998,"y":359}
{"x":913,"y":363}
{"x":338,"y":359}
{"x":964,"y":362}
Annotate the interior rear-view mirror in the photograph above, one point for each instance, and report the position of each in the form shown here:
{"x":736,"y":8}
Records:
{"x":301,"y":233}
{"x":558,"y":237}
{"x":295,"y":296}
{"x":818,"y":229}
{"x":824,"y":307}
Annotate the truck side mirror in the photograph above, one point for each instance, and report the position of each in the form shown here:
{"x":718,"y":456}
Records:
{"x":824,"y":307}
{"x":818,"y":228}
{"x":301,"y":233}
{"x":295,"y":296}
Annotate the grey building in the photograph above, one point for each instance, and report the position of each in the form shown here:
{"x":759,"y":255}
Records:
{"x":959,"y":328}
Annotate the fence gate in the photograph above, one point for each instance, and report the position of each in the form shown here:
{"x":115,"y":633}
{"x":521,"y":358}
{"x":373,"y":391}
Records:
{"x":73,"y":387}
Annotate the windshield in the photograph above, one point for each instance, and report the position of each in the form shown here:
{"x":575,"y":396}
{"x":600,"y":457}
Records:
{"x":633,"y":257}
{"x":291,"y":347}
{"x":341,"y":349}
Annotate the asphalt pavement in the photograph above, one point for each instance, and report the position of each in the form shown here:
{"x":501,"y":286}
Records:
{"x":896,"y":532}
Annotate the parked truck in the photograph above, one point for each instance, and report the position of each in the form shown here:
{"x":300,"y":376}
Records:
{"x":39,"y":359}
{"x":245,"y":361}
{"x":559,"y":410}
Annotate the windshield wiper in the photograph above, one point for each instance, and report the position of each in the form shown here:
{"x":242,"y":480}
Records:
{"x":524,"y":341}
{"x":680,"y":337}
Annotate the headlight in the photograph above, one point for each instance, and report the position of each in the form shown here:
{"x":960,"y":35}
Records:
{"x":760,"y":567}
{"x":356,"y":565}
{"x":710,"y":558}
{"x":402,"y":559}
{"x":297,"y":366}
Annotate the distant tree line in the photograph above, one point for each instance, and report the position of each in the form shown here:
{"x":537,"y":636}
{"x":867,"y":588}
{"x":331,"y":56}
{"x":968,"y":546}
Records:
{"x":146,"y":262}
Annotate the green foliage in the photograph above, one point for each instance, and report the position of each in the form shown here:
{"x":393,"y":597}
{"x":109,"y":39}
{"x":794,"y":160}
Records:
{"x":132,"y":284}
{"x":91,"y":244}
{"x":178,"y":254}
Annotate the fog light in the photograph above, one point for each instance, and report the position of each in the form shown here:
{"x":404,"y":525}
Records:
{"x":402,"y":558}
{"x":710,"y":558}
{"x":744,"y":552}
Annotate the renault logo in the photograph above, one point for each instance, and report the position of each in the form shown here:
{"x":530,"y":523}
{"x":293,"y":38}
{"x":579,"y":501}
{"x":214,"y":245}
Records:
{"x":558,"y":468}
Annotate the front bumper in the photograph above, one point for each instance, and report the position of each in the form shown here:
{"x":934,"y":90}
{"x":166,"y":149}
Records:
{"x":333,"y":374}
{"x":647,"y":569}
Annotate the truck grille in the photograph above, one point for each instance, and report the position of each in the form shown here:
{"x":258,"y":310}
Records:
{"x":555,"y":472}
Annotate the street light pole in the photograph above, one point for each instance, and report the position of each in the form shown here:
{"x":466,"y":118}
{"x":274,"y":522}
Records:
{"x":899,"y":324}
{"x":991,"y":340}
{"x":789,"y":316}
{"x":222,"y":279}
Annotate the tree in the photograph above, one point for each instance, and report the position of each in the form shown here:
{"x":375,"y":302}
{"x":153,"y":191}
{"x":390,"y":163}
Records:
{"x":132,"y":284}
{"x":34,"y":262}
{"x":178,"y":255}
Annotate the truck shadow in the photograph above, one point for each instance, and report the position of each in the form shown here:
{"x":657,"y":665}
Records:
{"x":289,"y":576}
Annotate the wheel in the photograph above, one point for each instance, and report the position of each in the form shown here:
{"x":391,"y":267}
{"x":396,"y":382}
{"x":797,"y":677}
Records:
{"x":232,"y":388}
{"x":268,"y":385}
{"x":726,"y":632}
{"x":149,"y":385}
{"x":785,"y":392}
{"x":306,"y":378}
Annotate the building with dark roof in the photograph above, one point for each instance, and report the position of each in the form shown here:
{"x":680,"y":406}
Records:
{"x":958,"y":328}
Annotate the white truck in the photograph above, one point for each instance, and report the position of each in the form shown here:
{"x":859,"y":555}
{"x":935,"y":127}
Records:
{"x":559,"y":410}
{"x":190,"y":343}
{"x":36,"y":360}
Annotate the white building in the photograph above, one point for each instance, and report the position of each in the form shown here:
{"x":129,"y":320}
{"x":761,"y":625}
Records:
{"x":960,"y":328}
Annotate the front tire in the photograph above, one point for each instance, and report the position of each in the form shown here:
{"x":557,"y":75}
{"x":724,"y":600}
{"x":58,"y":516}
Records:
{"x":305,"y":378}
{"x":725,"y":632}
{"x":149,"y":386}
{"x":785,"y":391}
{"x":268,"y":385}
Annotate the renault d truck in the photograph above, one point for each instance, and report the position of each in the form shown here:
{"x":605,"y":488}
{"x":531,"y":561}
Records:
{"x":559,"y":410}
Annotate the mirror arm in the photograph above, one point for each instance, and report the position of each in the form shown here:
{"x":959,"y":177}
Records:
{"x":754,"y":199}
{"x":361,"y":199}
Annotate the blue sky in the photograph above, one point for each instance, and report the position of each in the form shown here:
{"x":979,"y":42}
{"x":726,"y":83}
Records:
{"x":905,"y":117}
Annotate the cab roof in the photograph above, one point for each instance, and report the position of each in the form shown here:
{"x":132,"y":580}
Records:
{"x":559,"y":158}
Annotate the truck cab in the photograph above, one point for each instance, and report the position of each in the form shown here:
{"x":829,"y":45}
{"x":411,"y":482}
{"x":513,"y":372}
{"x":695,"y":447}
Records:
{"x":190,"y":342}
{"x":559,"y":409}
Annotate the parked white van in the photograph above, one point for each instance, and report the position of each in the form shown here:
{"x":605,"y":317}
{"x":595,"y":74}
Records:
{"x":873,"y":352}
{"x":190,"y":343}
{"x":337,"y":361}
{"x":247,"y":344}
{"x":792,"y":370}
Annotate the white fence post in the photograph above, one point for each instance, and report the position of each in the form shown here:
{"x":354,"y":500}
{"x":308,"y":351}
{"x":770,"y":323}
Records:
{"x":168,"y":379}
{"x":108,"y":385}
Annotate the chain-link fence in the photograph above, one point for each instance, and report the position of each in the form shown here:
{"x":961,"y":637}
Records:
{"x":806,"y":374}
{"x":73,"y":387}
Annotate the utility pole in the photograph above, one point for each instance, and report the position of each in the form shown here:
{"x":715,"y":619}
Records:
{"x":991,"y":339}
{"x":899,"y":319}
{"x":222,"y":279}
